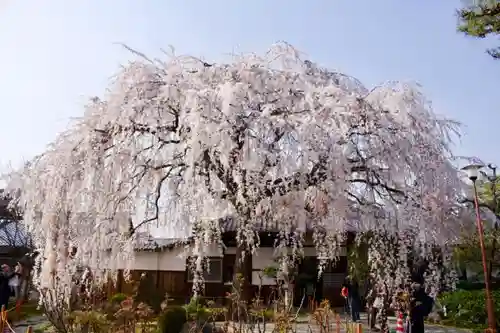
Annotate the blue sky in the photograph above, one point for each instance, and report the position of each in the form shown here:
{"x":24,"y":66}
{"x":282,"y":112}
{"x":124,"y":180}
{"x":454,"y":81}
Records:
{"x":55,"y":53}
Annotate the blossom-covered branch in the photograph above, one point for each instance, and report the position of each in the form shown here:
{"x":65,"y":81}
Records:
{"x":270,"y":138}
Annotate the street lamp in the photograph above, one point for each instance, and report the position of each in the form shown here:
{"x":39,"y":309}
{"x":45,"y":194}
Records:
{"x":473,"y":171}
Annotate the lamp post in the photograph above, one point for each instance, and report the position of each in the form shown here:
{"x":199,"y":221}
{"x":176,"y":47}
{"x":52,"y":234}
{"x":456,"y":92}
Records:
{"x":473,"y":173}
{"x":494,"y":208}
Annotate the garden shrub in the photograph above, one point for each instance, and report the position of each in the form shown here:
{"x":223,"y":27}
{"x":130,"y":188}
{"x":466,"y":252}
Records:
{"x":93,"y":321}
{"x":476,"y":285}
{"x":263,"y":314}
{"x":196,"y":309}
{"x":118,"y":298}
{"x":467,"y":308}
{"x":216,"y":313}
{"x":172,"y":320}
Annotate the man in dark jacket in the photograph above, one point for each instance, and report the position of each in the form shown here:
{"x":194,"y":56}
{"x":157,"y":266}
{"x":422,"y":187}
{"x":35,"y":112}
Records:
{"x":5,"y":291}
{"x":421,"y":307}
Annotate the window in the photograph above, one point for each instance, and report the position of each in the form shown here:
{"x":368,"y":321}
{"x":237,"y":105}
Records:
{"x":228,"y":268}
{"x":212,"y":273}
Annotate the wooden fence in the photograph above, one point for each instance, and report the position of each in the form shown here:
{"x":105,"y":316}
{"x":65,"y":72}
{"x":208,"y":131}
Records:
{"x":5,"y":326}
{"x":158,"y":283}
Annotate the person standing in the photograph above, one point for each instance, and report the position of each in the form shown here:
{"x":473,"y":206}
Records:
{"x":350,"y":291}
{"x":421,"y":307}
{"x":15,"y":281}
{"x":344,"y":292}
{"x":354,"y":300}
{"x":372,"y":303}
{"x":5,"y":290}
{"x":310,"y":293}
{"x":15,"y":284}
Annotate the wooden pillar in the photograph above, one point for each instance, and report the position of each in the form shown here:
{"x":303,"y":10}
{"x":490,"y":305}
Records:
{"x":119,"y":282}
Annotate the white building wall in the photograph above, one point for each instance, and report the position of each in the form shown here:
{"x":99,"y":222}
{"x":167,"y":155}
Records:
{"x":171,"y":260}
{"x":168,"y":260}
{"x":141,"y":261}
{"x":175,"y":260}
{"x":264,"y":257}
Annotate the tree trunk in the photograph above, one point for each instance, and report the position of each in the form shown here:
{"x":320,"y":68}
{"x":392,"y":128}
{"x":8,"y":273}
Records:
{"x":241,"y":284}
{"x":24,"y":287}
{"x":382,"y":318}
{"x":383,"y":313}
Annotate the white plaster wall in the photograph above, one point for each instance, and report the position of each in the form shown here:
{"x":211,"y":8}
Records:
{"x":168,"y":260}
{"x":141,"y":261}
{"x":264,"y":257}
{"x":175,"y":260}
{"x":172,"y":260}
{"x":266,"y":281}
{"x":211,"y":250}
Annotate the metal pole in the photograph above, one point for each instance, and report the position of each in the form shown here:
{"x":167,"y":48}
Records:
{"x":493,"y":207}
{"x":490,"y":309}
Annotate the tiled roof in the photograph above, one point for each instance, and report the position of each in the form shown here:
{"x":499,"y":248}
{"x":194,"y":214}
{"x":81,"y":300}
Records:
{"x":146,"y":242}
{"x":230,"y":224}
{"x":13,"y":233}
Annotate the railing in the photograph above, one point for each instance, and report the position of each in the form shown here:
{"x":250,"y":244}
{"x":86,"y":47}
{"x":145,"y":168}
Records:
{"x":4,"y":321}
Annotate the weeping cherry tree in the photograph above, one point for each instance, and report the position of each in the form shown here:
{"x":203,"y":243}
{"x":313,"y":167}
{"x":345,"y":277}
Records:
{"x":264,"y":138}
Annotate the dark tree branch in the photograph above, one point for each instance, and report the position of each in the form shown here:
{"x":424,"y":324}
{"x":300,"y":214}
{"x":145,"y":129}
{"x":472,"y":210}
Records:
{"x":298,"y":181}
{"x":206,"y":167}
{"x":377,"y":185}
{"x":157,"y":209}
{"x":157,"y":197}
{"x":213,"y":163}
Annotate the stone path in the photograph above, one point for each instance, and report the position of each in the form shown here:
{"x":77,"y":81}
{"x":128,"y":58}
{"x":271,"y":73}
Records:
{"x":428,"y":327}
{"x":304,"y":327}
{"x":40,"y":321}
{"x":35,"y":322}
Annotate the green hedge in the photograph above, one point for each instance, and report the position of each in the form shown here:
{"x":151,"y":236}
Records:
{"x":469,"y":285}
{"x":467,"y":308}
{"x":172,"y":320}
{"x":118,"y":298}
